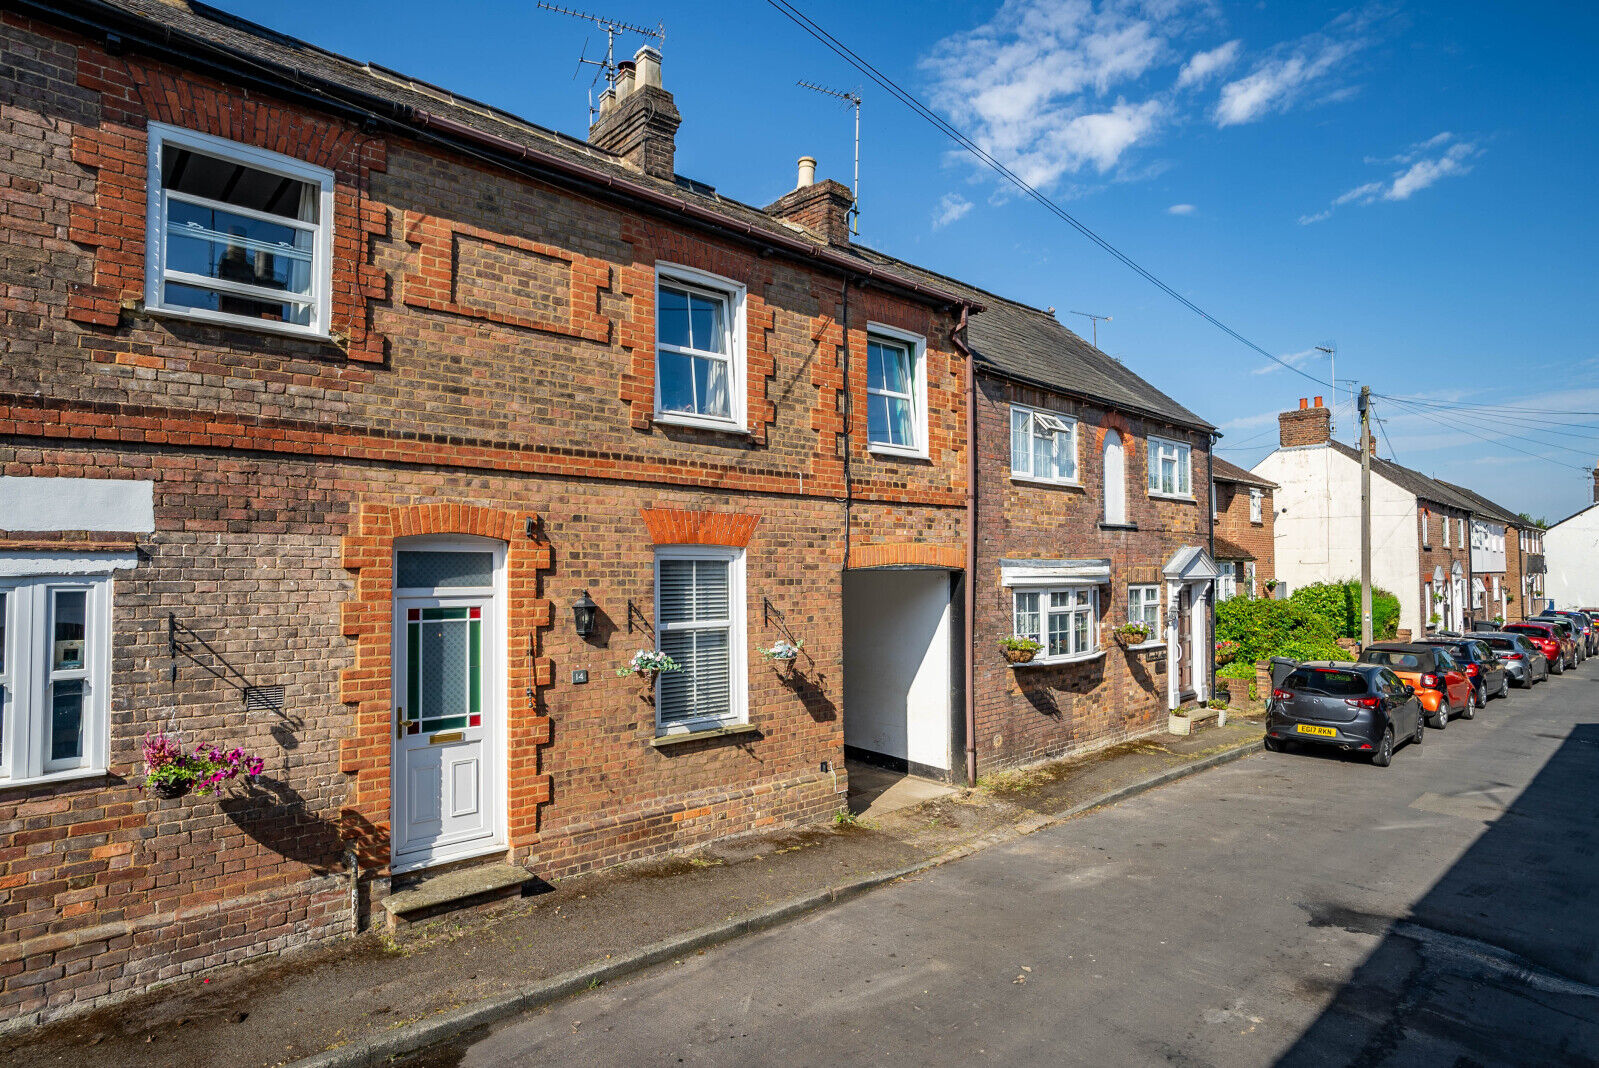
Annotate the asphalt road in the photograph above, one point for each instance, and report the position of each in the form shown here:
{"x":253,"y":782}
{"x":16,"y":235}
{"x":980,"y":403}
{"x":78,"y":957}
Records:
{"x":1286,"y":909}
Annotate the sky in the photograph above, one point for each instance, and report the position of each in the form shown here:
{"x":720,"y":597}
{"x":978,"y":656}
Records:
{"x":1409,"y":184}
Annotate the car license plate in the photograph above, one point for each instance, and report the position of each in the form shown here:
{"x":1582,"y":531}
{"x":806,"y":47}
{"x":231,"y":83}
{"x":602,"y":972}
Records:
{"x":1305,"y":728}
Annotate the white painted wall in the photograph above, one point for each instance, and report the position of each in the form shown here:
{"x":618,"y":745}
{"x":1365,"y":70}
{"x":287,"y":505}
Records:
{"x":77,"y":504}
{"x":1318,"y":526}
{"x":1571,"y":551}
{"x":1487,"y":547}
{"x":897,"y":664}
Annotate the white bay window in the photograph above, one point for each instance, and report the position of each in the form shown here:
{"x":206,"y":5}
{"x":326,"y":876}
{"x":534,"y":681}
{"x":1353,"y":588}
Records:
{"x":1063,"y":620}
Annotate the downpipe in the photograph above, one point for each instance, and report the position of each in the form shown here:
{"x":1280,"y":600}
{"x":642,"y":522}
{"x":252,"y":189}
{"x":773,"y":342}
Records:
{"x":959,"y":338}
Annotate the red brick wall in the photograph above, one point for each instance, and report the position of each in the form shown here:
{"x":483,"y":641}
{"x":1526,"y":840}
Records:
{"x":1031,"y":713}
{"x":1233,"y":523}
{"x":283,"y":468}
{"x":1435,"y":553}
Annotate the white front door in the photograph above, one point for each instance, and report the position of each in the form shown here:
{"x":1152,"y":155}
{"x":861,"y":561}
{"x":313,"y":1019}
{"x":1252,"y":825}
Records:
{"x":447,"y":716}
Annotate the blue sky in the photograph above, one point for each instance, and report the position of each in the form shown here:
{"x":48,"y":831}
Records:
{"x":1413,"y":182}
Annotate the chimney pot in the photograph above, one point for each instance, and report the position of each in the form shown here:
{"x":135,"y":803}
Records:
{"x":807,"y":172}
{"x":640,"y":124}
{"x":1304,"y":403}
{"x":1307,"y":426}
{"x":625,"y":78}
{"x":648,"y":60}
{"x":1318,"y":402}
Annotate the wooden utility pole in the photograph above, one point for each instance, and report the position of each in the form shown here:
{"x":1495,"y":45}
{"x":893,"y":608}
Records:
{"x":1365,"y":516}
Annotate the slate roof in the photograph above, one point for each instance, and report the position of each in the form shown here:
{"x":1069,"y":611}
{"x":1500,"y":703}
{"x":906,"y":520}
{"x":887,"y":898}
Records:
{"x":1230,"y":472}
{"x":1231,"y":550}
{"x":1423,"y":486}
{"x":1486,"y":508}
{"x":1030,"y":345}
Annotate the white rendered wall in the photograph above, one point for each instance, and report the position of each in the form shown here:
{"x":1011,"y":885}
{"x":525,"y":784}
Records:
{"x":1317,"y":529}
{"x":1487,"y":547}
{"x":77,"y":504}
{"x":1571,"y":551}
{"x":896,"y":664}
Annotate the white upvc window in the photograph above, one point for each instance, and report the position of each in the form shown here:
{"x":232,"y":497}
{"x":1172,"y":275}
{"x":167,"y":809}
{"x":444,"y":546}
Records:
{"x":1064,"y":620}
{"x":1143,"y":606}
{"x":699,"y":349}
{"x":699,"y":619}
{"x":55,"y":653}
{"x":1257,"y":498}
{"x":1460,"y":533}
{"x":896,"y":391}
{"x":1227,"y":581}
{"x":1043,"y":445}
{"x":1170,"y":469}
{"x":1249,"y":578}
{"x":236,"y":234}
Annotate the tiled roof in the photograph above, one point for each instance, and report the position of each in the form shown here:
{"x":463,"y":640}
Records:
{"x":1486,"y":508}
{"x":1231,"y":550}
{"x":1230,"y":472}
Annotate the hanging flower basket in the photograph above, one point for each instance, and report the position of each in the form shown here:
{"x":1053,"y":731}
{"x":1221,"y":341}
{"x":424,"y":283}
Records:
{"x":648,"y":664}
{"x":1226,"y":651}
{"x":1019,"y":650}
{"x":1130,"y":634}
{"x":784,"y":653}
{"x":170,"y":771}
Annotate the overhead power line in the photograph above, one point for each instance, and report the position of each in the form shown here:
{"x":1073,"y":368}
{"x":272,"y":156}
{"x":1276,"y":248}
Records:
{"x":1430,"y":417}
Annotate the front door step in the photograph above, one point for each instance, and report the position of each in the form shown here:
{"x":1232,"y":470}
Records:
{"x":462,"y":888}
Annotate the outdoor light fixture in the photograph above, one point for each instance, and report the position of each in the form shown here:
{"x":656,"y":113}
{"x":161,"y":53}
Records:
{"x":583,"y":610}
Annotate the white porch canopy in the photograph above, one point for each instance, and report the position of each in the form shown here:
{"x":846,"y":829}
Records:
{"x":1191,"y":563}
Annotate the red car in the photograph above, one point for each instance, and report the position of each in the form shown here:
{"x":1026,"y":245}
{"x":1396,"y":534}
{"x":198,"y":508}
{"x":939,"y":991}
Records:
{"x":1546,"y":636}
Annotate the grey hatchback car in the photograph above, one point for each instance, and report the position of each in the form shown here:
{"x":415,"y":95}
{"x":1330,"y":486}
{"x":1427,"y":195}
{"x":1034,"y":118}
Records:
{"x":1359,"y":708}
{"x":1524,"y":663}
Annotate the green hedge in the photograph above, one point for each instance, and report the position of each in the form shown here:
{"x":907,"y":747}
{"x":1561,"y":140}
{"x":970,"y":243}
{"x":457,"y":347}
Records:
{"x":1266,"y":628}
{"x":1339,"y":604}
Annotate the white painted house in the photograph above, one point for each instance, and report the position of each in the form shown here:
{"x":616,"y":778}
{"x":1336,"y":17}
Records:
{"x":1571,"y":552}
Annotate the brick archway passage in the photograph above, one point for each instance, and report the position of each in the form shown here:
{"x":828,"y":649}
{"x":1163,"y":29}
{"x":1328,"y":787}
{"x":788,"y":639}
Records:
{"x":368,"y":619}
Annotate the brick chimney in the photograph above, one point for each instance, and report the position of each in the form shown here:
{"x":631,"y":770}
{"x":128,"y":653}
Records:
{"x":638,"y":120}
{"x":1306,"y":426}
{"x":821,"y":207}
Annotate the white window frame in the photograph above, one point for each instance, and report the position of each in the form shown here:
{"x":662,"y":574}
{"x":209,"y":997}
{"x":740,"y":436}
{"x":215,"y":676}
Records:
{"x":735,"y":294}
{"x":1155,"y":453}
{"x":1149,"y":595}
{"x":737,"y":644}
{"x":1257,"y":501}
{"x":1045,"y":611}
{"x":917,"y":344}
{"x":1460,"y":533}
{"x":28,"y":673}
{"x":156,"y":274}
{"x":1227,"y":581}
{"x":1063,"y":424}
{"x":1249,"y":579}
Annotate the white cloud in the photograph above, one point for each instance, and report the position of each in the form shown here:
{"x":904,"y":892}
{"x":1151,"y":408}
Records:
{"x":1203,"y":65}
{"x":1421,"y":166}
{"x":1278,"y":80}
{"x":951,"y":207}
{"x":1180,"y":209}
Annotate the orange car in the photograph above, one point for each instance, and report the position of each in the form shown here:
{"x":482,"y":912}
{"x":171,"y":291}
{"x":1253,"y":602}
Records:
{"x":1442,"y":685}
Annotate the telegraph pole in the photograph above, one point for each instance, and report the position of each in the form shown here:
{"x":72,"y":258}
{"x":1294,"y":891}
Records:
{"x":1365,"y":516}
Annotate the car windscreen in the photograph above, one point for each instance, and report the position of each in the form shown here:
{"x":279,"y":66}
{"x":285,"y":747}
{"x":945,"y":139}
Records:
{"x":1330,"y":682}
{"x":1503,"y":643}
{"x":1397,"y":659}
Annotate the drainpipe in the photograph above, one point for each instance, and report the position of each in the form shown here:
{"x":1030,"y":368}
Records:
{"x":1210,"y":510}
{"x":849,"y":415}
{"x":959,"y":338}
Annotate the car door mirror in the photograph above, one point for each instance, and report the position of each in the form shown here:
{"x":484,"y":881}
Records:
{"x":1410,"y":691}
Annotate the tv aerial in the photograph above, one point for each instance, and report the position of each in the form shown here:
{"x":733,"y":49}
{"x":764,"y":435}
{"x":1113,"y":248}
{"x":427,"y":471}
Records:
{"x":850,"y":98}
{"x":612,"y":27}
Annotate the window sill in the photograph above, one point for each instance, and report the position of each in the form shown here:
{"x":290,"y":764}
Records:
{"x":1059,"y":661}
{"x":1185,"y":498}
{"x":1146,"y":646}
{"x":662,"y":740}
{"x":251,"y":326}
{"x":1062,"y":483}
{"x":1118,"y":526}
{"x":701,"y":422}
{"x":897,"y":452}
{"x":75,"y":775}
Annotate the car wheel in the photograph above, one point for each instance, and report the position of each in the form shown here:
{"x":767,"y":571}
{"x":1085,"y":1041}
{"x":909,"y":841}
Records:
{"x":1421,"y":730}
{"x":1440,"y":718}
{"x":1480,"y":690}
{"x":1273,"y":745}
{"x":1471,"y":705}
{"x":1504,"y":686}
{"x":1385,"y":750}
{"x":1558,"y":667}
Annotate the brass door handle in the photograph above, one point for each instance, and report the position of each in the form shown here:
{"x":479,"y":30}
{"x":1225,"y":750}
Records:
{"x":399,"y":722}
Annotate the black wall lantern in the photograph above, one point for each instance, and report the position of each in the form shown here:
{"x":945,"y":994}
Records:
{"x":583,"y":611}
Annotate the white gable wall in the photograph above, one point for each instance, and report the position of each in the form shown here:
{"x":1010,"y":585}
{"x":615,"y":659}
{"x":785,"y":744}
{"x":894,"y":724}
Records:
{"x":1571,"y":550}
{"x":1318,"y":526}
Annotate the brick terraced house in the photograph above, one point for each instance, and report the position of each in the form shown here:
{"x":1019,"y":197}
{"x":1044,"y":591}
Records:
{"x":373,"y":430}
{"x":1242,"y":504}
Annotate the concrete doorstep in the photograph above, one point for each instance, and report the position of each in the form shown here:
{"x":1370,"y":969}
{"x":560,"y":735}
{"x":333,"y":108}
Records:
{"x":370,"y":1001}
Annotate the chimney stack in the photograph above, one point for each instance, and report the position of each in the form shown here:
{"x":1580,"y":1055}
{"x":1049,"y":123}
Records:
{"x":638,"y":119}
{"x":1306,"y":426}
{"x":821,"y":207}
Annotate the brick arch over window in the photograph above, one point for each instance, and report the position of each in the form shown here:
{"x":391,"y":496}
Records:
{"x":676,"y":526}
{"x":1112,"y":421}
{"x":367,"y":619}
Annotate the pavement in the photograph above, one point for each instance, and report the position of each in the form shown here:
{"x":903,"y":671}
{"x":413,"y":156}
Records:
{"x":1301,"y":908}
{"x":345,"y":1001}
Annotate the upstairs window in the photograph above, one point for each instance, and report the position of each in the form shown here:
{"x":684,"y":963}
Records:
{"x":54,"y":677}
{"x":1043,"y":445}
{"x":1256,"y":499}
{"x":237,"y":234}
{"x":1170,"y":472}
{"x":1426,"y":529}
{"x":699,"y":340}
{"x":896,"y":392}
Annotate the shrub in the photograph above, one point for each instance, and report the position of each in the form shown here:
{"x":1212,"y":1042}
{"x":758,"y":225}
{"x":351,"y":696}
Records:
{"x":1339,"y":604}
{"x":1266,"y":628}
{"x":1238,"y":669}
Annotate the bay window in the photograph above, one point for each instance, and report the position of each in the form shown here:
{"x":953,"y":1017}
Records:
{"x":1063,"y":620}
{"x":1043,"y":445}
{"x":1170,"y":469}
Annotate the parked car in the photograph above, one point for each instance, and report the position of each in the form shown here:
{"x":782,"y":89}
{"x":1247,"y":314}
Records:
{"x":1442,"y":686}
{"x":1584,"y":622}
{"x":1524,"y":661}
{"x":1360,"y":708}
{"x":1548,"y":638}
{"x":1483,"y":666}
{"x":1572,"y":631}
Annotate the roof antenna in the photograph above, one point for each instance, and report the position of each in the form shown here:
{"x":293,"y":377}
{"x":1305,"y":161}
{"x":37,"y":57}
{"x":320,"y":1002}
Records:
{"x":853,"y":98}
{"x":612,"y":27}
